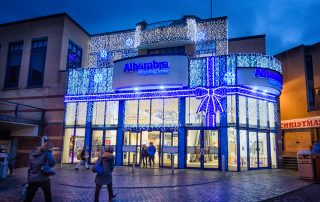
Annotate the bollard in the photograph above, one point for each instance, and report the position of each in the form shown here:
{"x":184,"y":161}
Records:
{"x":172,"y":164}
{"x":223,"y":165}
{"x":134,"y":162}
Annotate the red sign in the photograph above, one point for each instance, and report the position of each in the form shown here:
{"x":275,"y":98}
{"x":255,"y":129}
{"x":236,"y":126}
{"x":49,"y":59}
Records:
{"x":311,"y":122}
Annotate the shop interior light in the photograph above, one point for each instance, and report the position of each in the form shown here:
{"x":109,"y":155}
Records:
{"x":136,"y":89}
{"x":161,"y":87}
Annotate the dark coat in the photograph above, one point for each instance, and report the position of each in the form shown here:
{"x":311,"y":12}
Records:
{"x":36,"y":161}
{"x":144,"y":152}
{"x":108,"y":166}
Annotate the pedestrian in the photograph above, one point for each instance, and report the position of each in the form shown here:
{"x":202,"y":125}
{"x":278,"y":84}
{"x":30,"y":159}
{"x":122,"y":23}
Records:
{"x":38,"y":176}
{"x":151,"y":153}
{"x":144,"y":155}
{"x":107,"y":160}
{"x":83,"y":157}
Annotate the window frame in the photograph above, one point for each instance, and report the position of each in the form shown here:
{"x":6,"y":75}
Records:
{"x":70,"y":42}
{"x":6,"y":84}
{"x":32,"y":84}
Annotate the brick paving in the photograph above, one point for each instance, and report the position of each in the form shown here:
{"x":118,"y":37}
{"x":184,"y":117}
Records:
{"x":159,"y":185}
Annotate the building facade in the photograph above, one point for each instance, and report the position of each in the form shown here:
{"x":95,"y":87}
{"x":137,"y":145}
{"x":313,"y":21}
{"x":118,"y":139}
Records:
{"x":34,"y":56}
{"x":174,"y":83}
{"x":299,"y":101}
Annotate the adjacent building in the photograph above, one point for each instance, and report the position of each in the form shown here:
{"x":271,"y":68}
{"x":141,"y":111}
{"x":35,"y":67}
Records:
{"x":34,"y":56}
{"x":299,"y":101}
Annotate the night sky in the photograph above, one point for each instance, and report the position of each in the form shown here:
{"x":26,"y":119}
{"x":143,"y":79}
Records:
{"x":287,"y":23}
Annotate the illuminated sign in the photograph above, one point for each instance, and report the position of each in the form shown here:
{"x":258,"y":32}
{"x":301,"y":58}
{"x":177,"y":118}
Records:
{"x":146,"y":68}
{"x":311,"y":122}
{"x":151,"y":72}
{"x":268,"y":74}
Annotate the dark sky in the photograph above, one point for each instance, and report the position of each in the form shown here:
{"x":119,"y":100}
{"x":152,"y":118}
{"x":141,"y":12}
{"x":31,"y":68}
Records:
{"x":287,"y":23}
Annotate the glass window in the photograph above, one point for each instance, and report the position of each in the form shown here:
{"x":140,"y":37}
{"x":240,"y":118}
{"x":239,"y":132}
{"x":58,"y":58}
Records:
{"x":112,"y":113}
{"x":263,"y":116}
{"x":82,"y":113}
{"x":144,"y":113}
{"x":273,"y":149}
{"x":98,"y":113}
{"x":13,"y":65}
{"x":74,"y":56}
{"x":192,"y":117}
{"x":171,"y":115}
{"x":243,"y":150}
{"x":73,"y":144}
{"x":242,"y":110}
{"x":211,"y":149}
{"x":68,"y":145}
{"x":263,"y":150}
{"x":231,"y":109}
{"x":37,"y":63}
{"x":70,"y":114}
{"x":253,"y":149}
{"x":193,"y":148}
{"x":157,"y":112}
{"x":271,"y":115}
{"x":131,"y":112}
{"x":252,"y":112}
{"x":96,"y":146}
{"x":232,"y":149}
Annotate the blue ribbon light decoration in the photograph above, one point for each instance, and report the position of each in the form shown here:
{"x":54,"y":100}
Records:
{"x":210,"y":103}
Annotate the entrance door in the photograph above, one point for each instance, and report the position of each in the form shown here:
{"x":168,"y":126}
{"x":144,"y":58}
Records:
{"x":168,"y":139}
{"x":132,"y":139}
{"x":203,"y":149}
{"x":258,"y":150}
{"x":152,"y":136}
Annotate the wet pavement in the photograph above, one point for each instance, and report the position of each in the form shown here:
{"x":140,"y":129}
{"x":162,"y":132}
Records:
{"x":160,"y":185}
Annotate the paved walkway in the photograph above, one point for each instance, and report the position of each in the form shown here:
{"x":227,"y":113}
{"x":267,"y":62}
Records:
{"x":159,"y":185}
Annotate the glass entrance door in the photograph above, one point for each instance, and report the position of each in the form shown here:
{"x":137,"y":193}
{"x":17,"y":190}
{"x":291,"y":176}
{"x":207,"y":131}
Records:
{"x":203,"y":149}
{"x":258,"y":150}
{"x":132,"y":154}
{"x":168,"y":139}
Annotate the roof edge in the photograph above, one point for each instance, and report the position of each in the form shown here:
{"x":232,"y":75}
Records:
{"x":247,"y":37}
{"x":46,"y":17}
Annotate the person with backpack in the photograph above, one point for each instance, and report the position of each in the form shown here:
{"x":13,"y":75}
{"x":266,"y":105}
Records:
{"x":41,"y":161}
{"x":83,"y":157}
{"x":151,"y":152}
{"x":104,"y":168}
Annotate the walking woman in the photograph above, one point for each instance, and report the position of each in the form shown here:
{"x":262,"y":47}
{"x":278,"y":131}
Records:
{"x":36,"y":175}
{"x":106,"y":177}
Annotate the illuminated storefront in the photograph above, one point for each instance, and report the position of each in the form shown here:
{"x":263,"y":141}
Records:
{"x":206,"y":107}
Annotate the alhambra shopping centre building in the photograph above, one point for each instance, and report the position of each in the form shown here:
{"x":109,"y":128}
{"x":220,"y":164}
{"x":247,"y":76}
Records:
{"x":173,"y":83}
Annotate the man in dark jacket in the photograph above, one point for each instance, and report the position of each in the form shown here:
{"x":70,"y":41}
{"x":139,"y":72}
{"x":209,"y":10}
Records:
{"x":36,"y":177}
{"x":106,"y":177}
{"x":151,"y":152}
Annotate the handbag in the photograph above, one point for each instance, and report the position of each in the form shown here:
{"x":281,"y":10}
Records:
{"x":97,"y":167}
{"x":46,"y":169}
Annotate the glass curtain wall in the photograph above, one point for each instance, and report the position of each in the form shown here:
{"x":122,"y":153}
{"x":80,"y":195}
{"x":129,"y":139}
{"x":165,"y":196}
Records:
{"x":152,"y":113}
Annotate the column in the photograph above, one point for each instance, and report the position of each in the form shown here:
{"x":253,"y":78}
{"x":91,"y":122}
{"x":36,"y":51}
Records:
{"x":182,"y":135}
{"x":120,"y":133}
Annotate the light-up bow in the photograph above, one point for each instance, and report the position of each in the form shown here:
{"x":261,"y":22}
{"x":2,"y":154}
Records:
{"x":210,"y":102}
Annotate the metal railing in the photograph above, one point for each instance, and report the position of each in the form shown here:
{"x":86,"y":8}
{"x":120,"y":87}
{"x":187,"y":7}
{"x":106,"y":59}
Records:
{"x":17,"y":110}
